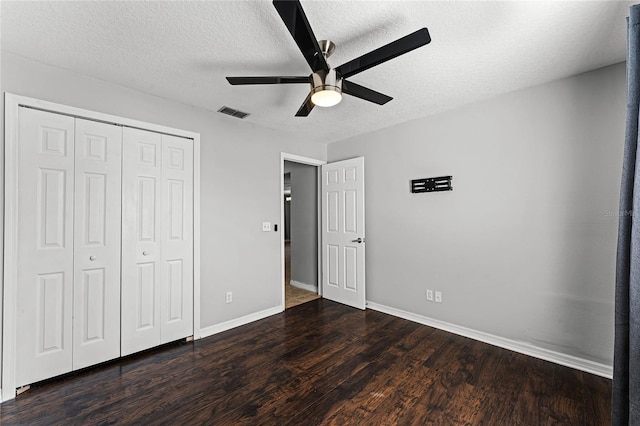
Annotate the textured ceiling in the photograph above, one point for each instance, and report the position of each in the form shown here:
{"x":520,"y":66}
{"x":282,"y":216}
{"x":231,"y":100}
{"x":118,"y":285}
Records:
{"x":183,"y":50}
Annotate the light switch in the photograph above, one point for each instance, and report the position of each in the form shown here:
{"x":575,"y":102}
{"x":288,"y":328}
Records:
{"x":266,"y":226}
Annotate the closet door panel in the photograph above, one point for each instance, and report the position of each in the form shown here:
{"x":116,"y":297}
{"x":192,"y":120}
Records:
{"x":45,"y":246}
{"x":97,"y":241}
{"x":141,"y":246}
{"x":177,"y":238}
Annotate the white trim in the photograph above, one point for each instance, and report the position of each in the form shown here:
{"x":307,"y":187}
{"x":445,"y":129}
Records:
{"x":10,"y":247}
{"x":97,"y":116}
{"x":9,"y":325}
{"x":319,"y":216}
{"x":302,"y":160}
{"x":196,"y":236}
{"x":311,"y":162}
{"x":571,"y":361}
{"x":304,"y":286}
{"x":237,"y":322}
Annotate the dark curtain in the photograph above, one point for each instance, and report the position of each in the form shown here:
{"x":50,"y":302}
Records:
{"x":626,"y":358}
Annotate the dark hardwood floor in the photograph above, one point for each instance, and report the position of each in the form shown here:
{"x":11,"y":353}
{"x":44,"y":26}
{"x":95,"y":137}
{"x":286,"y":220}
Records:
{"x":321,"y":363}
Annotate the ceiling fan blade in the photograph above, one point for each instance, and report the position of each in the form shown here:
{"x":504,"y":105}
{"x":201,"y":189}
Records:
{"x":267,"y":80}
{"x":296,"y":21}
{"x":306,"y":107}
{"x":362,"y":92}
{"x":385,"y":53}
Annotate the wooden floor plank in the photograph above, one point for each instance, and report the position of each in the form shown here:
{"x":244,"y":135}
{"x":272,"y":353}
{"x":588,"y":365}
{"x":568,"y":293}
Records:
{"x":320,"y":363}
{"x":322,"y":377}
{"x":501,"y":379}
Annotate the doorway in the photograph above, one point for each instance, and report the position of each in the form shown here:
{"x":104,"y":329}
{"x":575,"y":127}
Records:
{"x":300,"y":278}
{"x":340,"y":188}
{"x":300,"y":192}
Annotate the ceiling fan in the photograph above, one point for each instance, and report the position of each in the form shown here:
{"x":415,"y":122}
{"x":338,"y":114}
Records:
{"x":328,"y":84}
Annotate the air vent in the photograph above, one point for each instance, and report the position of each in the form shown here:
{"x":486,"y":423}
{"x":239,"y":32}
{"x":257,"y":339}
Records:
{"x":233,"y":112}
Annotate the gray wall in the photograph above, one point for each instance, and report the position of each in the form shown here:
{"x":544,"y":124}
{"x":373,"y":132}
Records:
{"x":524,"y":246}
{"x":304,"y":223}
{"x":236,"y":255}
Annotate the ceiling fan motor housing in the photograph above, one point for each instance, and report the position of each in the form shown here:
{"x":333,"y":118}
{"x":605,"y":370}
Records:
{"x":321,"y":81}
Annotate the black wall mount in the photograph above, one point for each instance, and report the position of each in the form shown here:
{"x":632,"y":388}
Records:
{"x":442,"y":183}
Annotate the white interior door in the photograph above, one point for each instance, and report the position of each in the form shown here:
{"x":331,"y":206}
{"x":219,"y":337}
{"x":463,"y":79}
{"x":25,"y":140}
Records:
{"x":96,"y":296}
{"x":176,"y":313}
{"x":141,"y":186}
{"x":45,"y":246}
{"x":343,"y":233}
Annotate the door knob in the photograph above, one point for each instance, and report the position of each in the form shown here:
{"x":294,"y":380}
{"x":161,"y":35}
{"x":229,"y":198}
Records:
{"x":144,"y":253}
{"x":92,"y":258}
{"x":359,"y":240}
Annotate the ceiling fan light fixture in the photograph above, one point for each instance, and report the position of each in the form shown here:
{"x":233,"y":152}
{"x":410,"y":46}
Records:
{"x":326,"y":98}
{"x":326,"y":89}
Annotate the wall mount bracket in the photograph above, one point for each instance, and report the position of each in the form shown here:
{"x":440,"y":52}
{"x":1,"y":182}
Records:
{"x":442,"y":183}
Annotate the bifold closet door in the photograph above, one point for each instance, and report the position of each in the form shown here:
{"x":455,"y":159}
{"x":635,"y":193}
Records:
{"x":141,"y":175}
{"x":97,"y":236}
{"x":157,"y":239}
{"x":45,"y":245}
{"x":176,"y":313}
{"x":69,"y":244}
{"x":105,"y":242}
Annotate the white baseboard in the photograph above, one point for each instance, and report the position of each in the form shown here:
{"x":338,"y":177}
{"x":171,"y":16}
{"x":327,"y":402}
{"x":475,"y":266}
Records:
{"x":304,"y":286}
{"x":237,"y":322}
{"x":512,"y":345}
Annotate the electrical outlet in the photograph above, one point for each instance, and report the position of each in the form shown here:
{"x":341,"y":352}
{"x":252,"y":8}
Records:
{"x":429,"y":295}
{"x":266,"y":226}
{"x":438,"y":297}
{"x":228,"y":297}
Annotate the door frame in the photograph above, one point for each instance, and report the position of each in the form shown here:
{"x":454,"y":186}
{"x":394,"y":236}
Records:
{"x":8,"y":250}
{"x":317,"y":164}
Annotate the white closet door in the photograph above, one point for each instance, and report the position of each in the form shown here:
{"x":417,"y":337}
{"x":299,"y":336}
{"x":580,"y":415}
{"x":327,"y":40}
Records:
{"x":96,"y":306}
{"x":141,"y":186}
{"x":177,"y":238}
{"x":45,"y":246}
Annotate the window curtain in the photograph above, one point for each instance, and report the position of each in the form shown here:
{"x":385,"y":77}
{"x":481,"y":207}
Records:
{"x":626,"y":358}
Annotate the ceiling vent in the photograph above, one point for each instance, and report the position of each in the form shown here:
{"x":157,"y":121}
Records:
{"x":233,"y":112}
